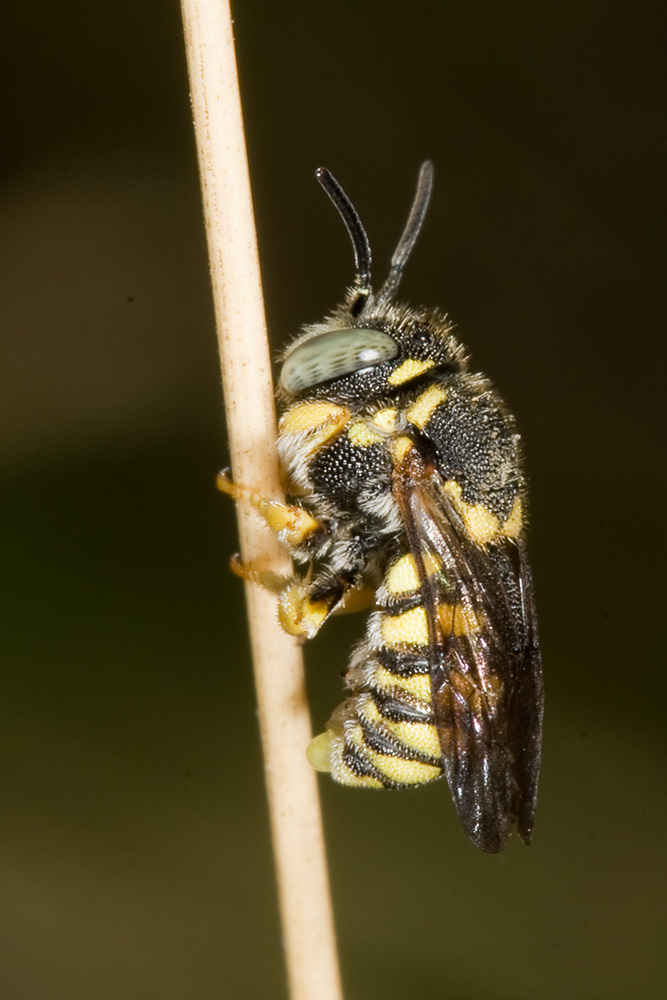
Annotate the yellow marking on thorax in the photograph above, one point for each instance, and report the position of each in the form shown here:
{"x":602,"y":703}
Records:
{"x":419,"y":685}
{"x":420,"y":412}
{"x":409,"y":628}
{"x":385,"y":420}
{"x":481,"y":524}
{"x":400,"y":447}
{"x":513,"y":524}
{"x":308,"y":416}
{"x":361,"y":435}
{"x":410,"y":369}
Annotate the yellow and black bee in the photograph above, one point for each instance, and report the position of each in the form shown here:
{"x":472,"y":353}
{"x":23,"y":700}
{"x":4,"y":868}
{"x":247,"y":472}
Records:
{"x":408,"y":497}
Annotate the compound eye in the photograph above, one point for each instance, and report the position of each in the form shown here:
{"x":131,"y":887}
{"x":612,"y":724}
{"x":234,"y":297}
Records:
{"x":330,"y":355}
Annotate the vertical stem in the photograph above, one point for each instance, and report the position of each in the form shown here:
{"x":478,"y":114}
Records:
{"x":285,"y":727}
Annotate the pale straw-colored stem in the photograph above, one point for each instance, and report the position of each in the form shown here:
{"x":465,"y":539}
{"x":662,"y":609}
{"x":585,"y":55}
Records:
{"x":285,"y":727}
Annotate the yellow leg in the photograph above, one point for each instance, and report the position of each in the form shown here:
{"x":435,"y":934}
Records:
{"x":275,"y":582}
{"x":298,"y":614}
{"x":291,"y":524}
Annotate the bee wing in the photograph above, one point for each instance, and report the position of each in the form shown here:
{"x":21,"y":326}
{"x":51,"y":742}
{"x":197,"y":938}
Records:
{"x":486,"y":676}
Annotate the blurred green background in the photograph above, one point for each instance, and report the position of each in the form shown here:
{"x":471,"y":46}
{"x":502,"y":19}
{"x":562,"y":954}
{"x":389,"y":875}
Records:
{"x":134,"y":849}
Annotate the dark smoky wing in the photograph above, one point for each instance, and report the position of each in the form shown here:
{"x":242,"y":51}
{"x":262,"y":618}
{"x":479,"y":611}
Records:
{"x":485,"y":667}
{"x":526,"y":705}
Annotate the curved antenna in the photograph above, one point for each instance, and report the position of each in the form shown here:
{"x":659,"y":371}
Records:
{"x":360,"y":244}
{"x":410,"y":233}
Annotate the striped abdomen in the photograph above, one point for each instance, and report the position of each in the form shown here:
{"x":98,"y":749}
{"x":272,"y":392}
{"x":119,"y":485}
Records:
{"x":384,"y":735}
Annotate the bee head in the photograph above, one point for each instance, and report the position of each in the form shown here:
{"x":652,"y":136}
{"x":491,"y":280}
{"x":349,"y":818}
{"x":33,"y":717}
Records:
{"x":370,"y":345}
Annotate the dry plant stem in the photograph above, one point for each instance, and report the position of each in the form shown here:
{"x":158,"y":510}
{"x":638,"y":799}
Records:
{"x":293,"y":799}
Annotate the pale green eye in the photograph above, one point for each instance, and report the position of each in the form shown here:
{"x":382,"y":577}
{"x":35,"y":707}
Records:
{"x":329,"y":355}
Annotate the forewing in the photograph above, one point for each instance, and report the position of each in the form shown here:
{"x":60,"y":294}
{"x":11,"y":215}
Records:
{"x":486,"y":676}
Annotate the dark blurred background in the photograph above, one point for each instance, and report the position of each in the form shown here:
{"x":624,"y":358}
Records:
{"x":134,"y":847}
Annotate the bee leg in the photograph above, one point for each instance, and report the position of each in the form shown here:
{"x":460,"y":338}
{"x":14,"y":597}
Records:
{"x":305,"y":605}
{"x":299,"y":614}
{"x":292,"y":525}
{"x":275,"y":582}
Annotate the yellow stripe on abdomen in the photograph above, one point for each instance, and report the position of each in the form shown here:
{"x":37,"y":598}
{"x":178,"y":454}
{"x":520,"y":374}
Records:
{"x":387,"y":682}
{"x":399,"y":771}
{"x":409,"y":628}
{"x":364,"y":747}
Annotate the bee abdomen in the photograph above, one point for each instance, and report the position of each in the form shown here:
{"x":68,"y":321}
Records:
{"x":369,"y":748}
{"x":385,"y":735}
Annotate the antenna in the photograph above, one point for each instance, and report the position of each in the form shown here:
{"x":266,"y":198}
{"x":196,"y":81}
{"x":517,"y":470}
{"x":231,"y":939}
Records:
{"x":410,"y":233}
{"x":360,"y":244}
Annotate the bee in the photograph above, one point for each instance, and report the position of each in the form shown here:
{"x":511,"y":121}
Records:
{"x":407,"y":497}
